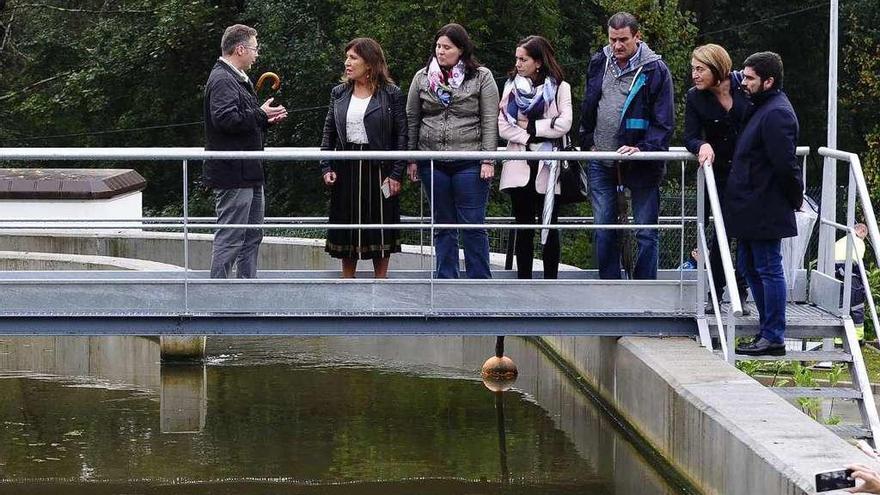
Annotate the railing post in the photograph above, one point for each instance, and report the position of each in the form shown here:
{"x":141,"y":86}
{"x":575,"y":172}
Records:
{"x":848,"y":261}
{"x":681,"y":249}
{"x":433,"y":239}
{"x":701,"y":227}
{"x":185,"y":237}
{"x":827,"y":211}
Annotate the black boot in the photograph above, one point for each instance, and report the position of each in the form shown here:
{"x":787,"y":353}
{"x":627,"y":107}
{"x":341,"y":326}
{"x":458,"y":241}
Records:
{"x":761,"y":347}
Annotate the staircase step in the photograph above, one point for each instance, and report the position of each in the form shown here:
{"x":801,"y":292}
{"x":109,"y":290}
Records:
{"x":834,"y":356}
{"x":821,"y":392}
{"x":851,"y":431}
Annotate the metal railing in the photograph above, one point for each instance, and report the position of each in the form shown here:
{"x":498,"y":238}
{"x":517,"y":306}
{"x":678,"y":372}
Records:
{"x":857,"y":189}
{"x":188,"y":225}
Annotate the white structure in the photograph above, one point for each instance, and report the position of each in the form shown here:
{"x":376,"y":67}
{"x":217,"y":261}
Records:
{"x":75,"y":194}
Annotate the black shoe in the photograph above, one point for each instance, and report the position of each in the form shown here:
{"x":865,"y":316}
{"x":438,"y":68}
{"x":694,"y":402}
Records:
{"x":761,"y":347}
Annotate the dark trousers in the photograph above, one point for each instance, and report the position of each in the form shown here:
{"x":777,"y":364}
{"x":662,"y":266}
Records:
{"x":715,"y":255}
{"x":528,"y":207}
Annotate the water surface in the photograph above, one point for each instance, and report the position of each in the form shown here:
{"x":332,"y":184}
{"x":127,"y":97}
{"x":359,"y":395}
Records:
{"x":301,"y":415}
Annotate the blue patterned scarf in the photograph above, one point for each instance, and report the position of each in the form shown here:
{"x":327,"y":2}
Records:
{"x":528,"y":99}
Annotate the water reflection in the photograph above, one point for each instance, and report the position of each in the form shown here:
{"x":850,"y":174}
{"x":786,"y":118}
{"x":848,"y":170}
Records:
{"x":308,"y":415}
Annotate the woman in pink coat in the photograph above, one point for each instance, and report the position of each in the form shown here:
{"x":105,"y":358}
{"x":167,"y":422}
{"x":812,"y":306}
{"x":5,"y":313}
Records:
{"x":535,"y":115}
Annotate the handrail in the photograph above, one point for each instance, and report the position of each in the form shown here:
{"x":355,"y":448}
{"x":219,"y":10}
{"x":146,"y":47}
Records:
{"x":304,"y":154}
{"x":133,"y":224}
{"x":862,"y":190}
{"x":721,"y":239}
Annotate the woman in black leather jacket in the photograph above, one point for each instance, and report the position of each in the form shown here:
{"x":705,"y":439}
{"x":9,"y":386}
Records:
{"x":367,"y":112}
{"x":715,"y":111}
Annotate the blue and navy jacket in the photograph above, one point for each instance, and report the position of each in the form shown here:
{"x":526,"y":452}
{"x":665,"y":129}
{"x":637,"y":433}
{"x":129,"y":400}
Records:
{"x":648,"y":118}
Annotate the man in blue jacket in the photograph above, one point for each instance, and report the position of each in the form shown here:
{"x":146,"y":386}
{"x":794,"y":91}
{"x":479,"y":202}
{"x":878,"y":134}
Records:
{"x":234,"y":121}
{"x":764,"y":189}
{"x":627,"y":108}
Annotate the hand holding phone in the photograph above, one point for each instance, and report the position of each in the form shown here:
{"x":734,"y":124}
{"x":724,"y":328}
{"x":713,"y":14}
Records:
{"x":835,"y":480}
{"x":386,"y":190}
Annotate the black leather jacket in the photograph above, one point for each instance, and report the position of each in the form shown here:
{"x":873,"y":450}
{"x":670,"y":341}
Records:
{"x":384,"y":120}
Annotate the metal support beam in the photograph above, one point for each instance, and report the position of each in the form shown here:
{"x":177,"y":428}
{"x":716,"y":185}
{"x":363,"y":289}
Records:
{"x":610,"y":325}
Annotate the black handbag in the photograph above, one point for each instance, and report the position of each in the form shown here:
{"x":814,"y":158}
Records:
{"x":573,"y":183}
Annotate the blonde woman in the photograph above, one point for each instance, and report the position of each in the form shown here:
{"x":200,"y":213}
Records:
{"x":715,"y":110}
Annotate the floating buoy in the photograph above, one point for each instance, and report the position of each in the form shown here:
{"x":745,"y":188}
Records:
{"x":499,"y":368}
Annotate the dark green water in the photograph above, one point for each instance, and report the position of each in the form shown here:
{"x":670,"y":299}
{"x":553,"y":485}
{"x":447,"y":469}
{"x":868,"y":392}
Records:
{"x":309,"y":416}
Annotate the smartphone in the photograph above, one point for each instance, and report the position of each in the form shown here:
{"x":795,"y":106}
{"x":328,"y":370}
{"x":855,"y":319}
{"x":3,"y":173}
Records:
{"x":386,"y":190}
{"x":834,"y":480}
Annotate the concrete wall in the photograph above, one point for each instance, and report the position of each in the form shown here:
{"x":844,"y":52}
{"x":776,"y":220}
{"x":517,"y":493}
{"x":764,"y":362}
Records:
{"x":276,"y":253}
{"x":17,"y":261}
{"x":725,"y":431}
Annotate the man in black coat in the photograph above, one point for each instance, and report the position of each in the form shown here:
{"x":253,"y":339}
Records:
{"x":764,"y":189}
{"x":235,"y":121}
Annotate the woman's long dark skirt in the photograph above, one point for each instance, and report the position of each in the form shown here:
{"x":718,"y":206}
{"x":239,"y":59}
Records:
{"x":356,"y":198}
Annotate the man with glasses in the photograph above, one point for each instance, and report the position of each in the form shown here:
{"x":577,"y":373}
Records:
{"x":235,"y":121}
{"x":627,"y":107}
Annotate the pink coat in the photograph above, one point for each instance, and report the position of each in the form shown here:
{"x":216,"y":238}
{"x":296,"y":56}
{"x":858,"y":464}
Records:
{"x":515,"y":173}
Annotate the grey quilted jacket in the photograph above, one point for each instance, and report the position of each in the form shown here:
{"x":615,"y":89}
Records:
{"x":469,"y":123}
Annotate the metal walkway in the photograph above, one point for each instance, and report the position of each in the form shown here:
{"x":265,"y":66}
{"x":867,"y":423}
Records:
{"x":287,"y":303}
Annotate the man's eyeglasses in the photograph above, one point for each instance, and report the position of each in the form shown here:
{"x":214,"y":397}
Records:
{"x":256,"y":49}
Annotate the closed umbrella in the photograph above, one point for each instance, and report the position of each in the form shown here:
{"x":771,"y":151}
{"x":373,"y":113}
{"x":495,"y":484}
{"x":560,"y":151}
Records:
{"x":549,"y":198}
{"x":624,"y":237}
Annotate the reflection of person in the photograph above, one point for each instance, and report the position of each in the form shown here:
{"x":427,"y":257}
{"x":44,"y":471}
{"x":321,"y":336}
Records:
{"x":235,"y":121}
{"x":453,"y":106}
{"x":714,"y":111}
{"x":366,"y":113}
{"x":535,"y":112}
{"x":627,"y":107}
{"x":857,"y":288}
{"x":764,"y":189}
{"x":870,"y":479}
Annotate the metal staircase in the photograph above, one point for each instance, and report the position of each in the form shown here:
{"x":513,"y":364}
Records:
{"x":820,"y":313}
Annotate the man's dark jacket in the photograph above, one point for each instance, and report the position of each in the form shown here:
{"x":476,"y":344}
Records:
{"x":233,"y":122}
{"x":648,"y":120}
{"x":765,"y":185}
{"x":384,"y":121}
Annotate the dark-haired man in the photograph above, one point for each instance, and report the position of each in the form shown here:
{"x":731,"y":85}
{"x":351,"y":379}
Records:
{"x":235,"y":121}
{"x":764,"y":189}
{"x":627,"y":107}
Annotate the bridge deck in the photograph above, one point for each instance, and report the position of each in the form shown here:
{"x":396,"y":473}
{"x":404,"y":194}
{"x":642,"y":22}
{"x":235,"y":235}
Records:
{"x":120,"y":302}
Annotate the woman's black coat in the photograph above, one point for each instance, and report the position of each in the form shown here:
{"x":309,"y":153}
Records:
{"x":384,"y":120}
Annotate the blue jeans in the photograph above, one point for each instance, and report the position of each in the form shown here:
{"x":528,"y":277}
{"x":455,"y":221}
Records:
{"x":460,"y":196}
{"x":645,"y":210}
{"x":761,"y":262}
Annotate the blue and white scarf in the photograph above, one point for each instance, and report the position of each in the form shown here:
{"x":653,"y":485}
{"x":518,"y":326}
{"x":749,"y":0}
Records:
{"x":528,"y":99}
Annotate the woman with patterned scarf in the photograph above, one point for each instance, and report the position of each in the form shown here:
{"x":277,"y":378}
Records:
{"x":535,"y":114}
{"x":452,"y":106}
